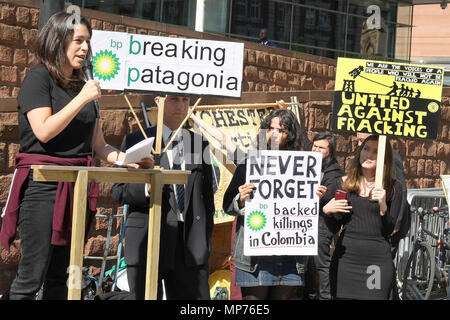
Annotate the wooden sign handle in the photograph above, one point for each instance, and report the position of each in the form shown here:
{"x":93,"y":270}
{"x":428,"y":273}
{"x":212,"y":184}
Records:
{"x":135,"y":116}
{"x":182,"y":124}
{"x":380,"y":161}
{"x":159,"y":129}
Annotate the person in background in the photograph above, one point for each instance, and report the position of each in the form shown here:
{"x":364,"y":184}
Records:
{"x":264,"y":40}
{"x":187,"y":214}
{"x":325,"y":142}
{"x":265,"y":277}
{"x":361,"y":265}
{"x":57,"y":126}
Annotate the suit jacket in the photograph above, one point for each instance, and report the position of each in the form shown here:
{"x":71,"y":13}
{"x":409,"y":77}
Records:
{"x":199,"y":202}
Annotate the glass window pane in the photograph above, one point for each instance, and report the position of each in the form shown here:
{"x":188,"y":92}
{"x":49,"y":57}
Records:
{"x":372,"y":42}
{"x":250,"y":16}
{"x":216,"y":16}
{"x":329,"y":28}
{"x":318,"y":28}
{"x":175,"y":12}
{"x":144,"y":9}
{"x":388,"y":10}
{"x":403,"y":33}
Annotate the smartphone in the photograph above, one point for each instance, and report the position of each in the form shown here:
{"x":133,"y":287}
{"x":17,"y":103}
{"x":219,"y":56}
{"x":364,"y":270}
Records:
{"x":340,"y":194}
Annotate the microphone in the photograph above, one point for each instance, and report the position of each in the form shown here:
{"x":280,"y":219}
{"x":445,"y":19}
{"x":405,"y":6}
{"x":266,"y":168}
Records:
{"x":87,"y":69}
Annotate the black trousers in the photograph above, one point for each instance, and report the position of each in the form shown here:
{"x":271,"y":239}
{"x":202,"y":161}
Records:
{"x":180,"y":281}
{"x":41,"y":264}
{"x":394,"y":295}
{"x":323,"y":259}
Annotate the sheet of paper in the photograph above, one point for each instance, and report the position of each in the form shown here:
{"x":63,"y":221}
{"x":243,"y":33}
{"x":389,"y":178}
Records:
{"x":137,"y":152}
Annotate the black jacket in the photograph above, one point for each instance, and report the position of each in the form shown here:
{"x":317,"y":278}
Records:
{"x":332,"y":172}
{"x":403,"y":222}
{"x":199,"y":202}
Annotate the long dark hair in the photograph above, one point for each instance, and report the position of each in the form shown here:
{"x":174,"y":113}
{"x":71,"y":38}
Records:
{"x":289,"y":122}
{"x":326,"y":135}
{"x":50,"y":46}
{"x":354,"y":173}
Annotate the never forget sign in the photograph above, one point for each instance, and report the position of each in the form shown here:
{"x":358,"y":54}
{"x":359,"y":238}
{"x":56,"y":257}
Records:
{"x":282,"y":216}
{"x":165,"y":64}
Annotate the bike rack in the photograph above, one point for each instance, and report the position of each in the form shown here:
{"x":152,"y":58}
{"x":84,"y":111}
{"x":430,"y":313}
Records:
{"x":427,"y":199}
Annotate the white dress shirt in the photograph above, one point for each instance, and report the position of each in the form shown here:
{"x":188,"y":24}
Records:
{"x":173,"y":154}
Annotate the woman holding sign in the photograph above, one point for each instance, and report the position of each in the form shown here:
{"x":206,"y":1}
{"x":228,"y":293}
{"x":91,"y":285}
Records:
{"x":57,"y":124}
{"x":361,"y":266}
{"x":265,"y":277}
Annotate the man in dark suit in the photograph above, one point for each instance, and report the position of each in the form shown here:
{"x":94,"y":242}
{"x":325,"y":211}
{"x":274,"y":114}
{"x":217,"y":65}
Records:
{"x":187,"y":219}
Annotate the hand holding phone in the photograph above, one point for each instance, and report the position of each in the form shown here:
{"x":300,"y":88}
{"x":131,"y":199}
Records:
{"x":336,"y":206}
{"x":340,"y":195}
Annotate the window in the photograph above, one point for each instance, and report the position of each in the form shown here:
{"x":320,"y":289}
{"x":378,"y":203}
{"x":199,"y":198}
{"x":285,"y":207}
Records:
{"x":329,"y":28}
{"x":255,"y":10}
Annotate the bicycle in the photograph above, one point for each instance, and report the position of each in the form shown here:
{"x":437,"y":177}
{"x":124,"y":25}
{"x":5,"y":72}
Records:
{"x":423,"y":279}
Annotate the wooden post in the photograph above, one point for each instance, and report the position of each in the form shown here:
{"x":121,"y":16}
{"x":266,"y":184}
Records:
{"x":380,"y":161}
{"x":78,"y":231}
{"x":81,"y":176}
{"x":135,"y":116}
{"x":182,"y":124}
{"x":295,"y":107}
{"x":159,"y":128}
{"x":154,"y":230}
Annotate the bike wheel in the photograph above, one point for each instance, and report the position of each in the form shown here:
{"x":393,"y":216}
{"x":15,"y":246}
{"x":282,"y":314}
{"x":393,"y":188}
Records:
{"x":419,"y":273}
{"x":440,"y":284}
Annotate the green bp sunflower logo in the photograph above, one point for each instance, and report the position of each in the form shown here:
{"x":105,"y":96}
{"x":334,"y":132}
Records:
{"x":105,"y":65}
{"x":256,"y":220}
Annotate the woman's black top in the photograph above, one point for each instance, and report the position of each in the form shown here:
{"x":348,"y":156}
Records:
{"x":40,"y":90}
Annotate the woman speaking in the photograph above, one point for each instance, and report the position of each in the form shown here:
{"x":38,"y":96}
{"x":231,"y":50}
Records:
{"x":58,"y":126}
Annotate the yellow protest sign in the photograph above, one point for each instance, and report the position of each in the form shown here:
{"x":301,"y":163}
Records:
{"x":387,"y":98}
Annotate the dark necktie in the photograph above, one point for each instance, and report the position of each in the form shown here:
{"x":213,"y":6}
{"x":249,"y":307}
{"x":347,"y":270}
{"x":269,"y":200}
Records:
{"x":177,"y":166}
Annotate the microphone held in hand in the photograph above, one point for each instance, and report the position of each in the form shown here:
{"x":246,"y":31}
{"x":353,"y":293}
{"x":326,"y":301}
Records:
{"x":87,"y":70}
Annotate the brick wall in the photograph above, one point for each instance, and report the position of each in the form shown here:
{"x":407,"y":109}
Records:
{"x":423,"y":160}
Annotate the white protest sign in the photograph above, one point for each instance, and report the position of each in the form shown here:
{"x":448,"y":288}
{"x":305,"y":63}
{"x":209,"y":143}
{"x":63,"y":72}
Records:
{"x":164,"y":64}
{"x":282,"y":216}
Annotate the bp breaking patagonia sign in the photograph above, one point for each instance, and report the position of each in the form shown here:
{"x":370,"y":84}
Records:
{"x":387,"y":98}
{"x":282,"y":216}
{"x":164,"y":64}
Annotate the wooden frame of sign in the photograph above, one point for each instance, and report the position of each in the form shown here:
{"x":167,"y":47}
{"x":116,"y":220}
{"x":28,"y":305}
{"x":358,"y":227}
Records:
{"x":82,"y":176}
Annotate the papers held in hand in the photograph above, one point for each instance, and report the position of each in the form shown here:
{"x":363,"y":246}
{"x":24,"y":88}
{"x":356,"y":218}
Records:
{"x":136,"y":153}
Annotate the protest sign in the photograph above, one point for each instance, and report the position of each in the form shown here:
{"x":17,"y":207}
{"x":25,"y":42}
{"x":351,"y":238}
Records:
{"x":240,"y":125}
{"x":124,"y":61}
{"x":387,"y":98}
{"x":282,"y":216}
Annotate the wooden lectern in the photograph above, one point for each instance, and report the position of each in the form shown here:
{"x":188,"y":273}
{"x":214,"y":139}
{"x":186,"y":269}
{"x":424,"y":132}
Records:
{"x":82,"y":176}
